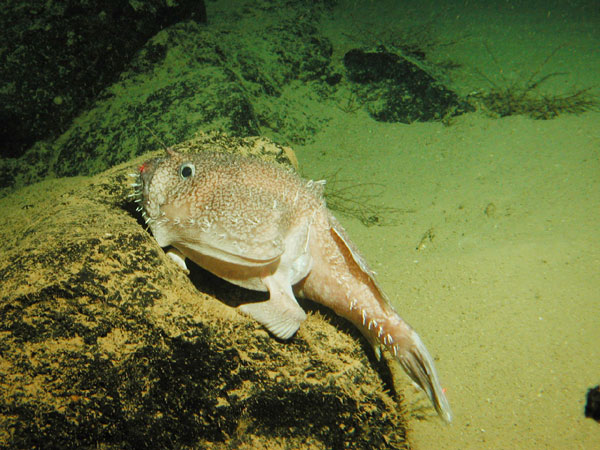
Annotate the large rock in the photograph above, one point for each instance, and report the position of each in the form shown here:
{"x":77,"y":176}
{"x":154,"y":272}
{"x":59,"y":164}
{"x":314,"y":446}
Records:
{"x":106,"y":343}
{"x":398,"y":89}
{"x":58,"y":55}
{"x":241,"y":74}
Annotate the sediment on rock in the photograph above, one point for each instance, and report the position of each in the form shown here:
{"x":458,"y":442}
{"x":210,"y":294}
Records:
{"x":106,"y":343}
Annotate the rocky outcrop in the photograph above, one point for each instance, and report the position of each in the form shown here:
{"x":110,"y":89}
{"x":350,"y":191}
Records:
{"x":106,"y":343}
{"x":58,"y":55}
{"x":241,"y":73}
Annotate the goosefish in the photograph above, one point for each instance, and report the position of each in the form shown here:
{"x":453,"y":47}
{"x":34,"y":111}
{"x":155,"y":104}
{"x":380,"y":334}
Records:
{"x":262,"y":227}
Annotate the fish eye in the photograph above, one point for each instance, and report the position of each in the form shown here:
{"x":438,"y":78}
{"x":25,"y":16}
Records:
{"x":187,"y":170}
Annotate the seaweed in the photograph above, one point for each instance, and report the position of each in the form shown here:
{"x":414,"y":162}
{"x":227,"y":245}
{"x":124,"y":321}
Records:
{"x":523,"y":96}
{"x":414,"y":42}
{"x":350,"y":102}
{"x":358,"y":200}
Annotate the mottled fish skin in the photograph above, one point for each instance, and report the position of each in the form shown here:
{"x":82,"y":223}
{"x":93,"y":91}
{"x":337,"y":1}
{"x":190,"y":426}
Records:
{"x":264,"y":228}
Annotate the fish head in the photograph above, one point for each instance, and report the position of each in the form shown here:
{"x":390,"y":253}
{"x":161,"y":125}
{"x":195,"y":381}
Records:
{"x":167,"y":188}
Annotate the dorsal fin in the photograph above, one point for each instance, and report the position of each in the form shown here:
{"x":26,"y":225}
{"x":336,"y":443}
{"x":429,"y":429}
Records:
{"x":339,"y":231}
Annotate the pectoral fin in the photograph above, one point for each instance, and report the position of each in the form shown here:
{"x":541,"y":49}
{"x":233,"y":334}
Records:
{"x":178,"y":258}
{"x":281,"y":314}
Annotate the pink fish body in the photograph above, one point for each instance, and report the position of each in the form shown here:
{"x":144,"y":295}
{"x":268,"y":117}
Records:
{"x":264,"y":228}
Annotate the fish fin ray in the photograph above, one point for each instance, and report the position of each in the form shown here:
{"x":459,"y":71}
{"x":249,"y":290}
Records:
{"x":281,"y":314}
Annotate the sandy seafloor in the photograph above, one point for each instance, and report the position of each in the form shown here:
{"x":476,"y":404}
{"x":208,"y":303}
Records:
{"x":507,"y":302}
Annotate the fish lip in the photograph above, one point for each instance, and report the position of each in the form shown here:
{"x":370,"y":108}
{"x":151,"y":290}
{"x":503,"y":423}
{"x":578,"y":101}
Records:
{"x":151,"y":211}
{"x":147,"y":170}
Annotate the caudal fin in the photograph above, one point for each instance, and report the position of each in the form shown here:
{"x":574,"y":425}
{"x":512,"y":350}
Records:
{"x":418,"y":364}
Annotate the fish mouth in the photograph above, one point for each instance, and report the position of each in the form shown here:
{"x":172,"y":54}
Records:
{"x":146,"y":171}
{"x":141,"y":194}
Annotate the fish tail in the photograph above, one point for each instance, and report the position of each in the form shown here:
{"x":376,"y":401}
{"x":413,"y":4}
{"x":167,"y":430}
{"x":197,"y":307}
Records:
{"x":384,"y":328}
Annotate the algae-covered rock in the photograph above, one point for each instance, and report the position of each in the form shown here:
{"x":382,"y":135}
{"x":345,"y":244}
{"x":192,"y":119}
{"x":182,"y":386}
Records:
{"x":240,"y":74}
{"x":57,"y":55}
{"x":105,"y":343}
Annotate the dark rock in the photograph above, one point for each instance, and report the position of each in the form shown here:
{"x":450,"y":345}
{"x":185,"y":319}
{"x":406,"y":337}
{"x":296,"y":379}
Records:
{"x":106,"y":343}
{"x":592,"y":404}
{"x":240,"y":74}
{"x":397,"y":89}
{"x":58,"y":55}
